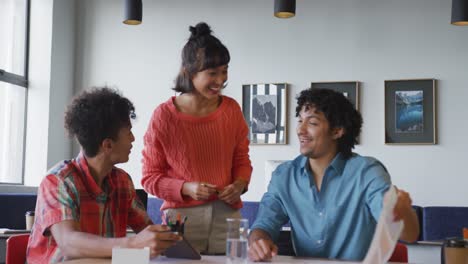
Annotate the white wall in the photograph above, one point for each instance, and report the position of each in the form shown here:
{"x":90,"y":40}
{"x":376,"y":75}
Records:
{"x":62,"y":79}
{"x":334,"y":40}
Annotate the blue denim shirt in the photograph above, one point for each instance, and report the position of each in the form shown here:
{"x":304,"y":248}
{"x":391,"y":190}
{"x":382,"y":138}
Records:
{"x":337,"y":222}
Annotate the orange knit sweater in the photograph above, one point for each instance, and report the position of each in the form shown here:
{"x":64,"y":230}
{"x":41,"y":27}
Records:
{"x":182,"y":148}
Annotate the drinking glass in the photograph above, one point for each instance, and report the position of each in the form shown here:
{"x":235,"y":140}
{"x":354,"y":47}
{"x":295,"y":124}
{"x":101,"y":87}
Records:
{"x":236,"y":240}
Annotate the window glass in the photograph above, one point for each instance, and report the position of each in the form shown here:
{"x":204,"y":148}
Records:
{"x":12,"y":35}
{"x":13,"y":30}
{"x":12,"y":120}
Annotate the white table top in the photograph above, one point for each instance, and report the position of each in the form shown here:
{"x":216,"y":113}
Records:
{"x":222,"y":259}
{"x":218,"y":259}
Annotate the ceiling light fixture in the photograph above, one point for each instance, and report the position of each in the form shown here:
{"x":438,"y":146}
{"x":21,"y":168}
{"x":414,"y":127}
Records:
{"x":133,"y":12}
{"x":460,"y":12}
{"x":285,"y":8}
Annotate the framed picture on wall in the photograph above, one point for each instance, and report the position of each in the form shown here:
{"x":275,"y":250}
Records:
{"x":410,"y":111}
{"x":349,"y":89}
{"x":265,"y":109}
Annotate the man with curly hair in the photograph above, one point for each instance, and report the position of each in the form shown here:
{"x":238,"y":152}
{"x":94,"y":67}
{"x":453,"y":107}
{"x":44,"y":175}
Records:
{"x":84,"y":205}
{"x":331,"y":196}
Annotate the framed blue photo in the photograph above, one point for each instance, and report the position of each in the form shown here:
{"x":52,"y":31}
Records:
{"x":410,"y":111}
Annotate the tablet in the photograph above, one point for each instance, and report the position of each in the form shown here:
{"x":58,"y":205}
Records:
{"x":182,"y":249}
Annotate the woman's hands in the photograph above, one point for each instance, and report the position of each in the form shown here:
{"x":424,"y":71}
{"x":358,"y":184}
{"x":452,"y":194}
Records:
{"x":231,"y":193}
{"x":198,"y":191}
{"x":203,"y":191}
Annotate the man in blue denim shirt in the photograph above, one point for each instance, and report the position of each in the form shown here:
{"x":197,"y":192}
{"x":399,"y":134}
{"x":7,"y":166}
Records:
{"x":331,"y":196}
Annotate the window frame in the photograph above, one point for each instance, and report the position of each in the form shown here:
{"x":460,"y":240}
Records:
{"x":22,"y":81}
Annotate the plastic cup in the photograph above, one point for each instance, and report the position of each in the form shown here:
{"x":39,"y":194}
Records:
{"x":29,"y":219}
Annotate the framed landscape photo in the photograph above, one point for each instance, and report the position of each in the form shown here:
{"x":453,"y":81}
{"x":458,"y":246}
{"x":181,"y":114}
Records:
{"x":410,"y":111}
{"x":265,"y":110}
{"x":349,"y":89}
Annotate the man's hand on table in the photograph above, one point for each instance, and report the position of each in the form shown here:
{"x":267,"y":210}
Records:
{"x":261,"y":247}
{"x":157,"y":237}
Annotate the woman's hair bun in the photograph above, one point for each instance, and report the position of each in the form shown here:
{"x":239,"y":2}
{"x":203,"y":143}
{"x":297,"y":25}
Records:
{"x":201,"y":29}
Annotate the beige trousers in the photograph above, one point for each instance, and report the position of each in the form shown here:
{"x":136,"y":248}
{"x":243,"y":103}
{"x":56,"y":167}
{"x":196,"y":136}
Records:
{"x":206,"y":225}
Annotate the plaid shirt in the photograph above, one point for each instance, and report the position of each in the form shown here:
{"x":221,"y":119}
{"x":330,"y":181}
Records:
{"x":69,"y":192}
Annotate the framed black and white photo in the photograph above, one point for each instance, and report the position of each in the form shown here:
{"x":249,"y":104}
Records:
{"x":265,"y":110}
{"x":410,"y":111}
{"x":349,"y":89}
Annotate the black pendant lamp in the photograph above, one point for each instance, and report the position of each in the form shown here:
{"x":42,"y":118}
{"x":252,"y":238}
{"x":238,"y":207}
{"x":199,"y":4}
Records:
{"x":460,"y":12}
{"x":133,"y":12}
{"x":285,"y":8}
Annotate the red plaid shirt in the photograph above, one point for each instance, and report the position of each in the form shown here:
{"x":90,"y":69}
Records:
{"x":69,"y":192}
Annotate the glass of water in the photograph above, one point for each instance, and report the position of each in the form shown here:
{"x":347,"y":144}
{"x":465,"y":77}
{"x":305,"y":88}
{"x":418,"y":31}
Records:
{"x":236,"y":240}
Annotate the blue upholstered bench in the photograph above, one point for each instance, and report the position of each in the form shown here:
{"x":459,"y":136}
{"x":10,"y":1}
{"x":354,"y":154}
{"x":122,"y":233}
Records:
{"x":440,"y":222}
{"x":249,"y":210}
{"x":13,"y":207}
{"x":153,"y":209}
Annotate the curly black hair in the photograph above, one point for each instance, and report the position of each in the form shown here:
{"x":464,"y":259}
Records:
{"x":339,"y":112}
{"x":202,"y":51}
{"x":97,"y":114}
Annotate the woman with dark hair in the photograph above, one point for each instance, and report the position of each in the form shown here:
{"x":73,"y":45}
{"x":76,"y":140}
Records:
{"x":195,"y":156}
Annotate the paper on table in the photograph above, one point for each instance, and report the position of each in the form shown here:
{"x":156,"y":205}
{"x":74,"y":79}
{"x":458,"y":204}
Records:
{"x":13,"y":231}
{"x":387,"y":232}
{"x":130,"y":255}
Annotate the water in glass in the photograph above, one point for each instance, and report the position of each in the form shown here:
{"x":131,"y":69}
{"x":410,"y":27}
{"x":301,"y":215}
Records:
{"x":236,"y":251}
{"x":236,"y":241}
